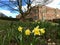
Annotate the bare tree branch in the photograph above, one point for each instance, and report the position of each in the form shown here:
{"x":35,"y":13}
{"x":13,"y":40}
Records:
{"x":9,"y":6}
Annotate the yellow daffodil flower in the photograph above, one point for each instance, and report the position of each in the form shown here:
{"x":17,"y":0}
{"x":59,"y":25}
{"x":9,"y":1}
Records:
{"x":35,"y":20}
{"x":20,"y":29}
{"x":38,"y":22}
{"x":42,"y":31}
{"x":37,"y":27}
{"x":27,"y":32}
{"x":36,"y":31}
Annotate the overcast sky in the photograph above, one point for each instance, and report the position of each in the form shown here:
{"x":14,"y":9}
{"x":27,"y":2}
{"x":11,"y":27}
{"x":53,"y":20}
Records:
{"x":54,"y":4}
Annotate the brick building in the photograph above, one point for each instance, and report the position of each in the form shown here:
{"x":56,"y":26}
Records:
{"x":43,"y":12}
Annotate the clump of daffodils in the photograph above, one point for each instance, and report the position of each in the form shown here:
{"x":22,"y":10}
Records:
{"x":38,"y":31}
{"x":35,"y":31}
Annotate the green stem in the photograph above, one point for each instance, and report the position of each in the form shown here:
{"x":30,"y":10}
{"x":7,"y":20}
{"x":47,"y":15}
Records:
{"x":33,"y":41}
{"x":21,"y":43}
{"x":20,"y":39}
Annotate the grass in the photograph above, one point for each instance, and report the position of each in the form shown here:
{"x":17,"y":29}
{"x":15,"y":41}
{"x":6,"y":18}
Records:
{"x":9,"y":33}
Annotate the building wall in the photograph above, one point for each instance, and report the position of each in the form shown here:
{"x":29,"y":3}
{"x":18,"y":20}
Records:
{"x":44,"y":12}
{"x":49,"y":13}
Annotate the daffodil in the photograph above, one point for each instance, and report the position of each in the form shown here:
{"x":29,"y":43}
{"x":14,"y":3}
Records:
{"x":35,"y":20}
{"x":36,"y":31}
{"x":38,"y":22}
{"x":37,"y":27}
{"x":27,"y":32}
{"x":20,"y":29}
{"x":42,"y":31}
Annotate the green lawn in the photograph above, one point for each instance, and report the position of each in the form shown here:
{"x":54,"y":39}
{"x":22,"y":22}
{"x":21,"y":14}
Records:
{"x":9,"y":31}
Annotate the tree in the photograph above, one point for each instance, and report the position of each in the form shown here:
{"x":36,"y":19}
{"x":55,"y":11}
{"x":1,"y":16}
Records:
{"x":18,"y":3}
{"x":2,"y":15}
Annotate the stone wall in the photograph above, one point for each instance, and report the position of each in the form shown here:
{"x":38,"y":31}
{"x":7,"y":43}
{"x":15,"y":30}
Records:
{"x":44,"y":12}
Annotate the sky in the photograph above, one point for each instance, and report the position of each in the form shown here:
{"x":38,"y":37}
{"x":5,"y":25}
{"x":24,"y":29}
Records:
{"x":55,"y":4}
{"x":7,"y":12}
